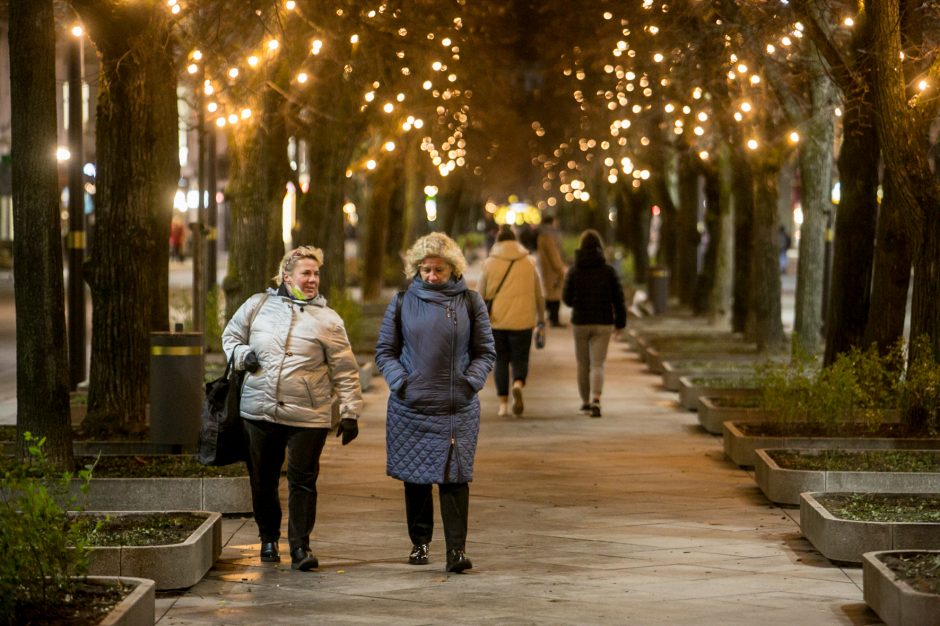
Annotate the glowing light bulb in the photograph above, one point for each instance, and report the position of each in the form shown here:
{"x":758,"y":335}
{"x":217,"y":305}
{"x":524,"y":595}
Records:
{"x":253,"y":61}
{"x":246,"y":113}
{"x":658,"y":58}
{"x":703,"y":155}
{"x":77,"y":30}
{"x":192,"y":68}
{"x":389,"y":146}
{"x":848,"y":22}
{"x":794,"y":137}
{"x":302,"y":77}
{"x":746,"y":106}
{"x":426,"y":85}
{"x":273,"y":45}
{"x":752,"y":144}
{"x":233,"y":72}
{"x":220,"y":122}
{"x":212,"y":107}
{"x":389,"y":107}
{"x":922,"y":85}
{"x":315,"y":46}
{"x":354,"y":39}
{"x":232,"y":119}
{"x":370,"y":164}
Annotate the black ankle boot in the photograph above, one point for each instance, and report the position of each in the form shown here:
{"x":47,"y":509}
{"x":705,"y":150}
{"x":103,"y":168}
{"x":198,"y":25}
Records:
{"x":269,"y":552}
{"x":303,"y":560}
{"x":457,"y":561}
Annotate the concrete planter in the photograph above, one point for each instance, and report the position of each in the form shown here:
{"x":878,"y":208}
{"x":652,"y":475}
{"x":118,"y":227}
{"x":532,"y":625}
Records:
{"x":711,"y":416}
{"x":691,"y":389}
{"x":896,"y":602}
{"x":740,"y":448}
{"x":846,"y":540}
{"x":173,"y":566}
{"x":220,"y":494}
{"x":784,"y":486}
{"x":674,"y":370}
{"x":137,"y":609}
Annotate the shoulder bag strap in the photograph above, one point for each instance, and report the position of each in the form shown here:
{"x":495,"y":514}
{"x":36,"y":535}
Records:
{"x":500,"y":285}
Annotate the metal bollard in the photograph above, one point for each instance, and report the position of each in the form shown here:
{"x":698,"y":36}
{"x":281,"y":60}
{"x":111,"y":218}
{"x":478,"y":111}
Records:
{"x":659,"y":288}
{"x":176,"y":388}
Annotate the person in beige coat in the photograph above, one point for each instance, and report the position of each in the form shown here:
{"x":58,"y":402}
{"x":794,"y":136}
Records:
{"x":551,"y":267}
{"x":511,"y":281}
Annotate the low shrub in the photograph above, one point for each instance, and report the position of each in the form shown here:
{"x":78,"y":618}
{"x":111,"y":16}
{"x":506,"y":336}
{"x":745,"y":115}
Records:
{"x":36,"y":569}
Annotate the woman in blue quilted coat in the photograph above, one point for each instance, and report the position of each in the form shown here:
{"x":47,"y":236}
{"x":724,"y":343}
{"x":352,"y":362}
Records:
{"x":435,"y":350}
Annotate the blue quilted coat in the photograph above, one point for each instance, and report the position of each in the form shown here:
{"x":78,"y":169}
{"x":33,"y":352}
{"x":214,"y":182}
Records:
{"x":434,"y":369}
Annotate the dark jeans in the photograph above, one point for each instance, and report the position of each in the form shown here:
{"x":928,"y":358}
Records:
{"x":552,"y":307}
{"x":512,"y":348}
{"x":455,"y":511}
{"x":266,"y":444}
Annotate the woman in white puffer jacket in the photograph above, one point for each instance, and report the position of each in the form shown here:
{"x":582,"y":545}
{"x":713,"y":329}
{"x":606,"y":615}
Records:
{"x":298,"y":357}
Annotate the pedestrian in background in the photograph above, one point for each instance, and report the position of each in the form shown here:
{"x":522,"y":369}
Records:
{"x":592,"y":290}
{"x":435,"y":350}
{"x":298,"y":358}
{"x":511,"y":281}
{"x":551,"y":267}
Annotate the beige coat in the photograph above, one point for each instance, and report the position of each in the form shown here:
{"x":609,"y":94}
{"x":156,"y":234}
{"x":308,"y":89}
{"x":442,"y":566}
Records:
{"x":551,"y":266}
{"x":520,"y":304}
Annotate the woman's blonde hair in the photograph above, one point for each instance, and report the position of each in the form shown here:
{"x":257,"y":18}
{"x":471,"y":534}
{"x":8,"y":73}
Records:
{"x":290,"y":260}
{"x":439,"y":245}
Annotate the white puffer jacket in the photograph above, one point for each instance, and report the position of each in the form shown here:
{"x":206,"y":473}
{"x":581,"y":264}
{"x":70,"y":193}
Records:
{"x":305,"y":360}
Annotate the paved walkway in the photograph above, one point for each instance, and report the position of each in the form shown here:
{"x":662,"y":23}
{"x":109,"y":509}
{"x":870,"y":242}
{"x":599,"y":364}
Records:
{"x":632,"y":518}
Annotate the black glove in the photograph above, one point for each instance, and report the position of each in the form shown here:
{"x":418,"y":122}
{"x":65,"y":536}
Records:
{"x":251,"y":362}
{"x":348,"y":428}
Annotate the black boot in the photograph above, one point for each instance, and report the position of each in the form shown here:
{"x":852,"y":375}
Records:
{"x":457,"y":561}
{"x":302,"y":559}
{"x":269,"y":552}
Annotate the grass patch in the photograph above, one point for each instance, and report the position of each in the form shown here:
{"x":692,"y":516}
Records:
{"x":917,"y":461}
{"x":148,"y":529}
{"x":882,"y":507}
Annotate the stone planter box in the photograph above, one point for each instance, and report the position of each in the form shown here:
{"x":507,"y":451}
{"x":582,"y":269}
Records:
{"x":719,"y":349}
{"x":896,"y":602}
{"x":784,"y":486}
{"x":740,"y":448}
{"x":712,"y":417}
{"x":690,"y":390}
{"x":846,"y":540}
{"x":137,"y":609}
{"x":221,"y":494}
{"x":674,"y":370}
{"x":173,"y":566}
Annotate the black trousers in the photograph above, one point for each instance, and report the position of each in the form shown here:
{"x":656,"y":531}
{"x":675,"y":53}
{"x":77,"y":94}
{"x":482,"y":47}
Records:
{"x":266,"y":444}
{"x":553,"y":306}
{"x":512,"y":348}
{"x":455,"y":511}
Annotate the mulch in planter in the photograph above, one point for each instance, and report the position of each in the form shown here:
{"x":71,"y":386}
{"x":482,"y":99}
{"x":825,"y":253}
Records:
{"x":146,"y":529}
{"x":86,"y":607}
{"x":164,"y":466}
{"x":919,"y":570}
{"x":836,"y":429}
{"x":882,"y":507}
{"x":858,"y":460}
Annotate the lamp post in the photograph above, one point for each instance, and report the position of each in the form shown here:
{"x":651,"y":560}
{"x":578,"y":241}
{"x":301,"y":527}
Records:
{"x":76,"y":236}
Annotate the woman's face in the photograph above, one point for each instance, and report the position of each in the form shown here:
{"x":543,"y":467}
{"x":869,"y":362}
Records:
{"x":435,"y":270}
{"x":305,"y":276}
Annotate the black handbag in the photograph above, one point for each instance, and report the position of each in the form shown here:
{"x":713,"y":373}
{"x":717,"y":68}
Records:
{"x":222,"y":437}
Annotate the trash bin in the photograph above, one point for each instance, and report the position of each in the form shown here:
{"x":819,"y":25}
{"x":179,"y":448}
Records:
{"x":176,"y":388}
{"x":659,"y":288}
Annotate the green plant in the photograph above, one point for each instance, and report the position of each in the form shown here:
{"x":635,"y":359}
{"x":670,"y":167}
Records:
{"x":920,"y":570}
{"x":36,"y":569}
{"x":920,"y":391}
{"x":349,"y":310}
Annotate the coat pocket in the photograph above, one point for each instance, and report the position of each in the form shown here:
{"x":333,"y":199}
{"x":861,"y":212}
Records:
{"x":317,"y":394}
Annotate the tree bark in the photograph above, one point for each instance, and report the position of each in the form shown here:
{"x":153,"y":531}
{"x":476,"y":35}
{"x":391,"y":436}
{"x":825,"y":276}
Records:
{"x":377,"y":228}
{"x":133,"y":143}
{"x":259,"y":173}
{"x":705,"y":281}
{"x":687,"y":252}
{"x":892,"y":276}
{"x":743,"y":191}
{"x":42,"y":370}
{"x":766,"y":323}
{"x":719,"y":304}
{"x":815,"y":180}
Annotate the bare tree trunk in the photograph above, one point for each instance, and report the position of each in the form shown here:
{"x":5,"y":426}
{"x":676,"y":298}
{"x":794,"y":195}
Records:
{"x":687,"y":253}
{"x":719,"y":304}
{"x":766,"y":321}
{"x":705,"y":281}
{"x":415,"y":217}
{"x":892,"y":275}
{"x":259,"y":173}
{"x":815,"y":180}
{"x":42,"y":370}
{"x":377,"y":228}
{"x":743,"y":190}
{"x":136,"y":62}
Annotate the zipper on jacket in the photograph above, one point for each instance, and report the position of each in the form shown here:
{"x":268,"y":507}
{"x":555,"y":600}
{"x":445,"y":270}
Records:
{"x":452,"y":452}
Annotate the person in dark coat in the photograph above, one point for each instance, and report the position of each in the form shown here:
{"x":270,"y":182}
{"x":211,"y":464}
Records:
{"x":435,"y":350}
{"x":592,"y":290}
